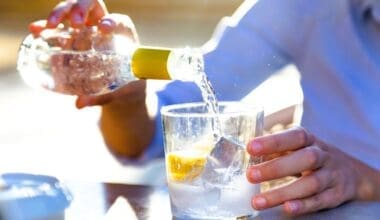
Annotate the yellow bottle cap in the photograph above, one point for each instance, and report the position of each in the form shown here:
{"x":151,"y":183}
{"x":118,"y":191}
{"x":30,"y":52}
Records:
{"x":150,"y":63}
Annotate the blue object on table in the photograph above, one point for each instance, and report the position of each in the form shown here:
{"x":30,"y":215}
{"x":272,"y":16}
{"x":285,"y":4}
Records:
{"x":30,"y":197}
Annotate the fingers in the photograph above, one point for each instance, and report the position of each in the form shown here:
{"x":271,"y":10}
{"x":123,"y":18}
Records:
{"x":87,"y":12}
{"x":288,"y":140}
{"x":107,"y":25}
{"x":119,"y":24}
{"x":323,"y":200}
{"x":59,"y":14}
{"x":309,"y":158}
{"x":84,"y":101}
{"x":97,"y":13}
{"x":78,"y":13}
{"x":304,"y":187}
{"x":134,"y":90}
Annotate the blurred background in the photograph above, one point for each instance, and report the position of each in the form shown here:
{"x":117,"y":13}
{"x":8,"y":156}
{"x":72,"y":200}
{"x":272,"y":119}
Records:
{"x":43,"y":132}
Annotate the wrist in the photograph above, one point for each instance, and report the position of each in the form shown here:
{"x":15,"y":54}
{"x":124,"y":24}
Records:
{"x":126,"y":126}
{"x":369,"y":182}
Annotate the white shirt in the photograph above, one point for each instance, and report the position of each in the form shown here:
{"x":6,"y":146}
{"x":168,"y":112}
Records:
{"x":336,"y":48}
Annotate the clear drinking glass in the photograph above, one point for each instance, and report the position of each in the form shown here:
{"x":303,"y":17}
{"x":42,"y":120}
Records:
{"x":189,"y":139}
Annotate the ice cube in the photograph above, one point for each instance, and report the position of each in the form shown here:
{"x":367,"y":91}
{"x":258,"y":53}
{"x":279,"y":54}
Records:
{"x":225,"y":161}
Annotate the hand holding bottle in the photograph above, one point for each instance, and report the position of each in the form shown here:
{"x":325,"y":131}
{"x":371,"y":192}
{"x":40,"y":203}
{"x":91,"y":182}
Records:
{"x":76,"y":49}
{"x":94,"y":60}
{"x":80,"y":13}
{"x":94,"y":75}
{"x":125,"y":123}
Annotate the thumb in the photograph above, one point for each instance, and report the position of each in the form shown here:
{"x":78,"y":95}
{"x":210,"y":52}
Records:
{"x":83,"y":101}
{"x":89,"y":100}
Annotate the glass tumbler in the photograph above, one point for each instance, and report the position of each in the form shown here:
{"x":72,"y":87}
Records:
{"x":189,"y":140}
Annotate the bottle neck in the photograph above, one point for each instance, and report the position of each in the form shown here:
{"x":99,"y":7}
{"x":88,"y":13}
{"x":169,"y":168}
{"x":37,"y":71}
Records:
{"x":150,"y":63}
{"x":167,"y":64}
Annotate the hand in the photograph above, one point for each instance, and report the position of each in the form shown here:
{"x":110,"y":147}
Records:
{"x":81,"y":13}
{"x":77,"y":12}
{"x":132,"y":93}
{"x":329,"y":177}
{"x":125,"y":122}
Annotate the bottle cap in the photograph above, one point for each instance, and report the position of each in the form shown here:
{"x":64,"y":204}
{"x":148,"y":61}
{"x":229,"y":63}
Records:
{"x":150,"y":63}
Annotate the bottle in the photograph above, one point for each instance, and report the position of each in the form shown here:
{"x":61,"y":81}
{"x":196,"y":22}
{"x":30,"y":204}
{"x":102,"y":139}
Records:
{"x":83,"y":62}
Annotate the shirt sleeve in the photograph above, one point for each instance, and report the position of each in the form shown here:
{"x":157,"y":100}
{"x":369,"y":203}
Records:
{"x":245,"y":50}
{"x":258,"y":40}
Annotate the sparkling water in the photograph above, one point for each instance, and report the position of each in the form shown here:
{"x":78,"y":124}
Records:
{"x":209,"y":97}
{"x":187,"y":64}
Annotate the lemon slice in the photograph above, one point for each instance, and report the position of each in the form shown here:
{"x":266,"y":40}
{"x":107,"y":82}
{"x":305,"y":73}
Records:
{"x":186,"y":165}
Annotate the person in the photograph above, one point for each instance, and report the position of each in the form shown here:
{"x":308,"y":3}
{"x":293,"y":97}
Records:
{"x":335,"y":46}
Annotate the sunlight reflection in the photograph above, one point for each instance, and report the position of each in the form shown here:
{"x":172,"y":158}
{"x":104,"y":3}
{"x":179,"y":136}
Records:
{"x":159,"y":204}
{"x":120,"y":209}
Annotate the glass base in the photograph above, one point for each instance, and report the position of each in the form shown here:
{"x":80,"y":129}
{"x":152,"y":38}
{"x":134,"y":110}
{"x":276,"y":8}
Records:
{"x":246,"y":217}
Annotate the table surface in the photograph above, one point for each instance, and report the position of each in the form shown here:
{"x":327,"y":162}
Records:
{"x":121,"y":201}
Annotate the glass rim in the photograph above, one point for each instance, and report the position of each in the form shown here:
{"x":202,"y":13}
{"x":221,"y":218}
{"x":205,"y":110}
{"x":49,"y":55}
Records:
{"x":247,"y":109}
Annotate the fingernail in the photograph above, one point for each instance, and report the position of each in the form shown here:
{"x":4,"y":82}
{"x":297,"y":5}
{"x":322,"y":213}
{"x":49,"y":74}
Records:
{"x":78,"y":18}
{"x":107,"y":22}
{"x":293,"y":207}
{"x":255,"y":174}
{"x":256,"y":147}
{"x":260,"y":202}
{"x":106,"y":26}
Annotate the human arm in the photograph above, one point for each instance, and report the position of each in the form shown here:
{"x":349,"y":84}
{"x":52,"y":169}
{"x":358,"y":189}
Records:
{"x":329,"y":177}
{"x":241,"y":59}
{"x":124,"y":121}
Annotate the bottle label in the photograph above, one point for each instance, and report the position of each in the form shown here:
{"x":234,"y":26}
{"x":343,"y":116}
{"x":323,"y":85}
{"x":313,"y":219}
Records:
{"x":150,"y":63}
